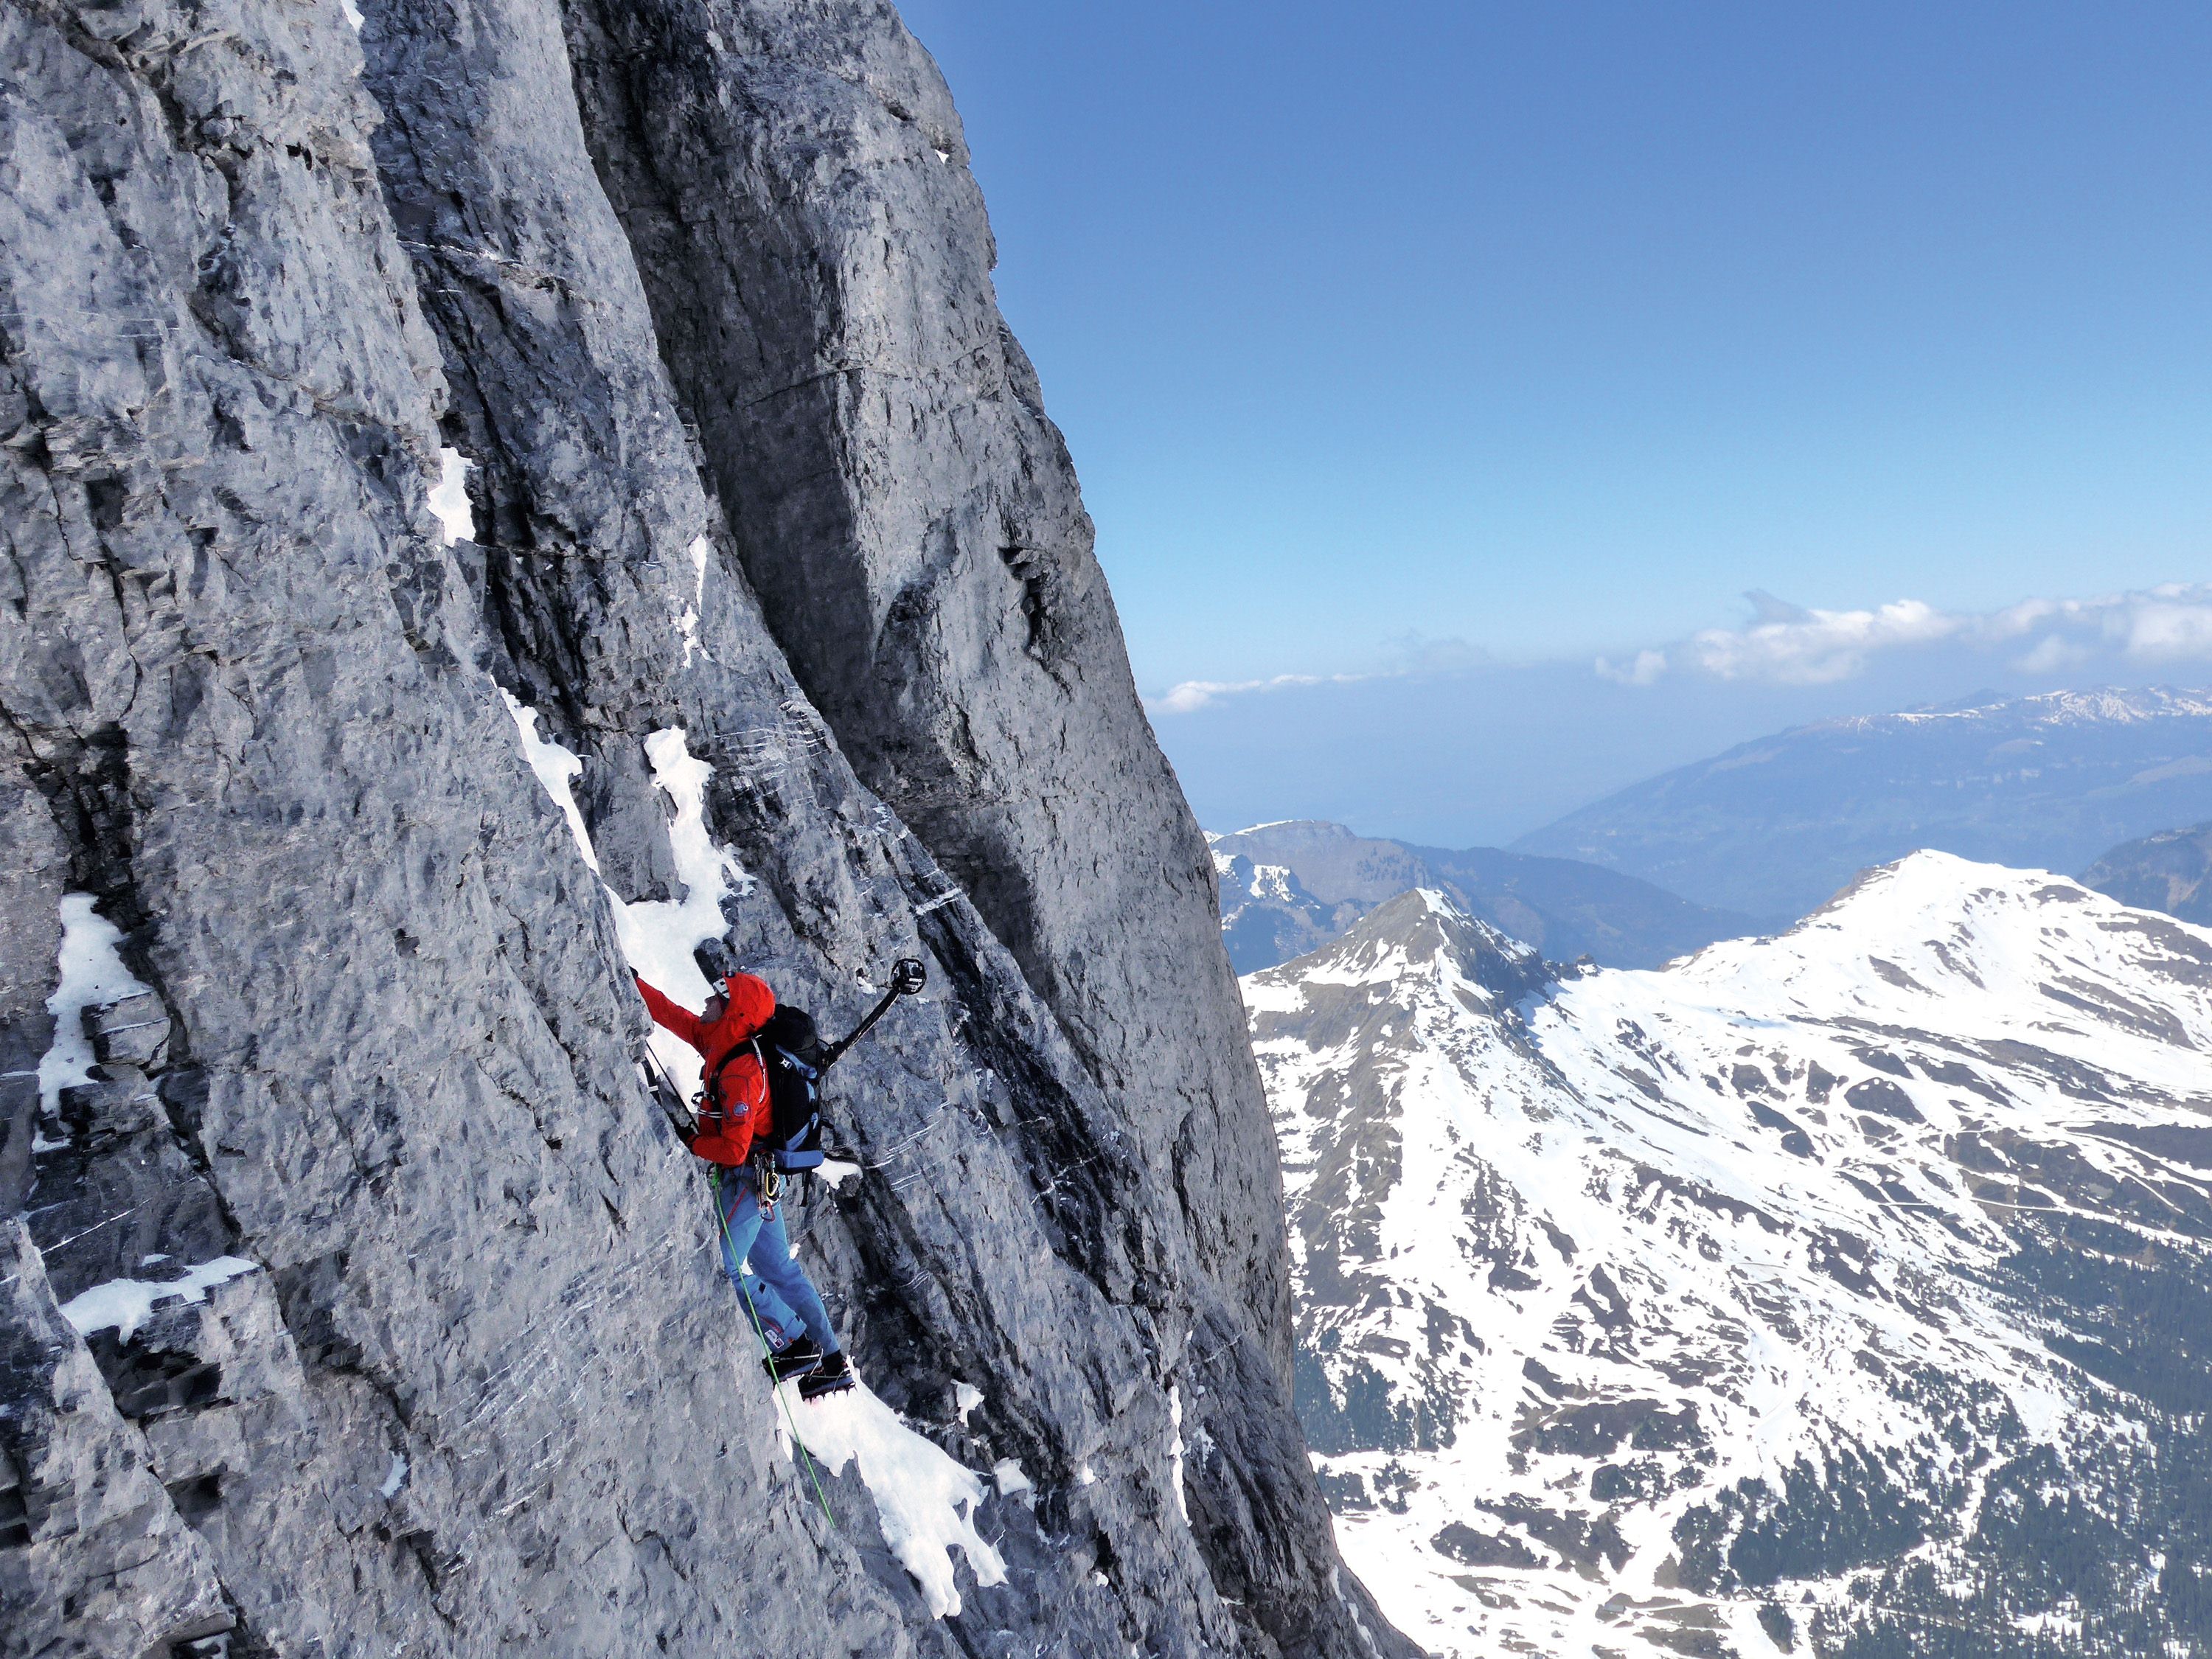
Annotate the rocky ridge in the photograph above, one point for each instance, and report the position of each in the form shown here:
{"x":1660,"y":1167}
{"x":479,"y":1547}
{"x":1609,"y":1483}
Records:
{"x":1840,"y":1293}
{"x":1288,"y":888}
{"x":407,"y":410}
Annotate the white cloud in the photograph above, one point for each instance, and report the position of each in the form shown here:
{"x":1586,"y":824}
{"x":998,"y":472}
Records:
{"x":1817,"y":647}
{"x":2052,"y":652}
{"x":1790,"y":645}
{"x":1786,"y":645}
{"x":1194,"y":694}
{"x":1642,"y":670}
{"x":2170,"y":626}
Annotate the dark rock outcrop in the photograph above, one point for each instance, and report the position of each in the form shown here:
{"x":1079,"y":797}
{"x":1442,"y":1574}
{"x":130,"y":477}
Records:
{"x":449,"y":1365}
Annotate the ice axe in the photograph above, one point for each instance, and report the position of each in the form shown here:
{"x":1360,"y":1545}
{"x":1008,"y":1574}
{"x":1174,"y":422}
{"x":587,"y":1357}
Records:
{"x":908,"y":976}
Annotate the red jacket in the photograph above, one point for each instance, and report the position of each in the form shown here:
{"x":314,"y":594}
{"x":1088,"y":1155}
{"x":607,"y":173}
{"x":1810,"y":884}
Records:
{"x":739,"y":1107}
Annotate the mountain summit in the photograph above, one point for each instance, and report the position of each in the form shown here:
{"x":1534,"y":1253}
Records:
{"x":1813,"y":1290}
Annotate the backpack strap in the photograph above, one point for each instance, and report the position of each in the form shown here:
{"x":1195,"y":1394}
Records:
{"x":710,"y":1090}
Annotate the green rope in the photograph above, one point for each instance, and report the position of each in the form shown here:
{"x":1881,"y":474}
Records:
{"x":775,"y":1384}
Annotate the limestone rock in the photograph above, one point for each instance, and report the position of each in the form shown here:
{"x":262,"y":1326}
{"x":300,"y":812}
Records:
{"x":345,"y":436}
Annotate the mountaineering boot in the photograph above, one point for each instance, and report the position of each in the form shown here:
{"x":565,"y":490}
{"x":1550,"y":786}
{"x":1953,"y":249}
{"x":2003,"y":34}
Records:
{"x":833,"y":1376}
{"x":801,"y":1355}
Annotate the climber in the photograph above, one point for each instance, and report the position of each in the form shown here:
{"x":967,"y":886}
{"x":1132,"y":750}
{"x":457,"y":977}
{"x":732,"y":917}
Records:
{"x":737,"y":1133}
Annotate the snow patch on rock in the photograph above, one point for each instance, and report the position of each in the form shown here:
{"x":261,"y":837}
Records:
{"x":688,"y":622}
{"x":449,"y":498}
{"x":925,"y":1500}
{"x":92,"y":973}
{"x":657,"y":936}
{"x":557,"y":768}
{"x":124,"y":1305}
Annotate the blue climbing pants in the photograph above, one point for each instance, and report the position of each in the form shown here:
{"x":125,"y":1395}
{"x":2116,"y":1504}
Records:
{"x":744,"y":1231}
{"x":778,"y":1324}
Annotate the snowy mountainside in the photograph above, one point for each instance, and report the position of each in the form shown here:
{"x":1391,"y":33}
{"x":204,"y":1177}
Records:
{"x":1841,"y":1292}
{"x":1267,"y":915}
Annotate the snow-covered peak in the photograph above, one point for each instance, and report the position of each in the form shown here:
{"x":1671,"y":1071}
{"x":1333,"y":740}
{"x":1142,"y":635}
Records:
{"x":2105,"y":704}
{"x":1420,"y":933}
{"x":2022,"y":953}
{"x":1618,"y":1292}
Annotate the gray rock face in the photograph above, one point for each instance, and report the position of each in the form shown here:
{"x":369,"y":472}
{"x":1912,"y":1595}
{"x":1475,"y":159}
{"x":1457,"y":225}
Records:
{"x":818,"y":264}
{"x":428,"y":1352}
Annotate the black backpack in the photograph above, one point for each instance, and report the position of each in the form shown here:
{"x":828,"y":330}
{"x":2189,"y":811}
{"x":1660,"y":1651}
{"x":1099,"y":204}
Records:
{"x":791,"y":1053}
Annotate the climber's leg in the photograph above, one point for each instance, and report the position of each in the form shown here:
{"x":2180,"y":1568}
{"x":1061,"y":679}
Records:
{"x":772,"y":1260}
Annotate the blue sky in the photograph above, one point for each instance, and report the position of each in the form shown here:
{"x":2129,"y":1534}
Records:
{"x":1464,"y":345}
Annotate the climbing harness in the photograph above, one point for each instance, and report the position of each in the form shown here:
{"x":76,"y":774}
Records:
{"x":768,"y":1178}
{"x":722,"y":1221}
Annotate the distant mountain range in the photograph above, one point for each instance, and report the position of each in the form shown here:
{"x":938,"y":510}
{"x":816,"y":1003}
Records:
{"x":1288,"y":888}
{"x":1773,"y":828}
{"x":1841,"y":1295}
{"x":2170,"y":871}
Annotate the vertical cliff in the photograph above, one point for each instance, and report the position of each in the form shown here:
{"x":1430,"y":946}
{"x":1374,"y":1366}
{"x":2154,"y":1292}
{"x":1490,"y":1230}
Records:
{"x":411,"y":426}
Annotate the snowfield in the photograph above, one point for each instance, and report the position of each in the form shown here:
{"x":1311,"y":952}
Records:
{"x":1770,"y":1302}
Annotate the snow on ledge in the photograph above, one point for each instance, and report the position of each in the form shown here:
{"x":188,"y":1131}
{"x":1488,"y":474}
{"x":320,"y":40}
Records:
{"x":124,"y":1304}
{"x":557,"y":768}
{"x":1175,"y":1451}
{"x":92,"y":973}
{"x":688,"y":623}
{"x":657,"y":936}
{"x":449,"y":499}
{"x":925,"y":1500}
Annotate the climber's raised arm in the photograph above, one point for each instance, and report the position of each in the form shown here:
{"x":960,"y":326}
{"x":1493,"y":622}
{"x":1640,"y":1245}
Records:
{"x":681,"y":1021}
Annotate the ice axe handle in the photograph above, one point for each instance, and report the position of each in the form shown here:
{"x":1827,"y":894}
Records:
{"x":908,"y":976}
